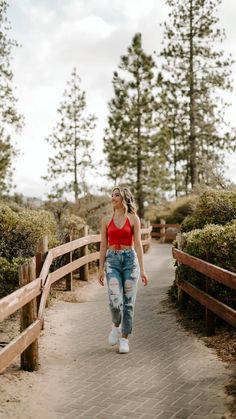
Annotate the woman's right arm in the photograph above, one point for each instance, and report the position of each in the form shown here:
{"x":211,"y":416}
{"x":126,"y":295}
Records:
{"x":103,"y":250}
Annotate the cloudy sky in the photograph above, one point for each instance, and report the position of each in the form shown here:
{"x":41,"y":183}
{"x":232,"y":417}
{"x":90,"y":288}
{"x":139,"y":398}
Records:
{"x":55,"y":36}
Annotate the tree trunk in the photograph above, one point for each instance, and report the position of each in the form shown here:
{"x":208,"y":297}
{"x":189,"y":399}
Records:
{"x":192,"y":136}
{"x":76,"y":189}
{"x":175,"y":162}
{"x":139,"y":156}
{"x":139,"y":185}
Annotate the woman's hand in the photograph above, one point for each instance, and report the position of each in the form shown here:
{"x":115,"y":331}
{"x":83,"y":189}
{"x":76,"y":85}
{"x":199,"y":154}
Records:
{"x":101,"y":277}
{"x":144,"y":278}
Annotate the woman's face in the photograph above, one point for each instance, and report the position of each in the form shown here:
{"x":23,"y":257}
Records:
{"x":116,"y":199}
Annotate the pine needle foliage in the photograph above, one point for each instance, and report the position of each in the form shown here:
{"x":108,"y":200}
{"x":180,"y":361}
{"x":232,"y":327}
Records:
{"x":134,"y":150}
{"x":10,"y":119}
{"x":72,"y":142}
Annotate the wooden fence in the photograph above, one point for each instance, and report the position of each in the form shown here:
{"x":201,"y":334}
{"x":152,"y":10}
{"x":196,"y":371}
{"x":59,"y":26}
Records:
{"x":36,"y":281}
{"x":213,"y":306}
{"x":166,"y":231}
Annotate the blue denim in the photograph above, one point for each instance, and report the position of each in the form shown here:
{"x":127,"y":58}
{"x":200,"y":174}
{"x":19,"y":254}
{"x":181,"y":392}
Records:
{"x":122,"y":274}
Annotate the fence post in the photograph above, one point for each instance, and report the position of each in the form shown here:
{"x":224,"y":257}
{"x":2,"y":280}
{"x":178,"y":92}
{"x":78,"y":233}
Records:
{"x":149,"y":234}
{"x":142,"y":222}
{"x":146,"y":236}
{"x":180,"y":240}
{"x":41,"y":251}
{"x":98,"y":245}
{"x":209,"y":315}
{"x":84,"y":270}
{"x":181,"y":295}
{"x":69,"y":276}
{"x":28,"y":314}
{"x":42,"y":248}
{"x":162,"y":231}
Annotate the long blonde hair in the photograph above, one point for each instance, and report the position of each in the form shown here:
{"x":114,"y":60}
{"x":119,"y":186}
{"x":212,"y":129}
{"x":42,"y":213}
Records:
{"x":127,"y":199}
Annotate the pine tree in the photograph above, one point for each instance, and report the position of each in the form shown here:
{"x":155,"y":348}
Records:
{"x":196,"y":71}
{"x":10,"y":119}
{"x":72,"y":141}
{"x":131,"y":142}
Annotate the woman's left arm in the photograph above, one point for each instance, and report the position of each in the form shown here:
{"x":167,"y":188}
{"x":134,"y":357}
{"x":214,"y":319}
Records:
{"x":139,"y":249}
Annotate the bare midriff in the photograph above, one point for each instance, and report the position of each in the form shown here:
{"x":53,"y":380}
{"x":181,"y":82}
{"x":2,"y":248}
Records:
{"x":119,"y":247}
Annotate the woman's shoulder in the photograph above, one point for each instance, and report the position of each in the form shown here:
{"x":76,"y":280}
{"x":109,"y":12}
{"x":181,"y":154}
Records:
{"x":106,"y":219}
{"x":133,"y":218}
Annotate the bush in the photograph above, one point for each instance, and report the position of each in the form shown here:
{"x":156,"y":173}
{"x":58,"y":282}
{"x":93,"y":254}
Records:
{"x":217,"y":245}
{"x":216,"y":207}
{"x":183,"y":207}
{"x":210,"y":233}
{"x":213,"y":207}
{"x":190,"y":223}
{"x":21,"y":231}
{"x":175,"y":212}
{"x":9,"y":279}
{"x":70,"y":224}
{"x":214,"y":243}
{"x":8,"y":219}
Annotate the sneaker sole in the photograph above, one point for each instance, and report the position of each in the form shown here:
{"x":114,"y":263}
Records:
{"x":123,"y":352}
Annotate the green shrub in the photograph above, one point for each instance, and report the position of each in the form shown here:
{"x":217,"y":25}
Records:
{"x":213,"y":207}
{"x":21,"y":231}
{"x":217,"y":245}
{"x":9,"y":279}
{"x":70,"y":224}
{"x":214,"y":243}
{"x":19,"y":234}
{"x":210,"y":233}
{"x":190,"y":223}
{"x":173,"y":212}
{"x":216,"y":207}
{"x":8,"y":219}
{"x":183,"y":207}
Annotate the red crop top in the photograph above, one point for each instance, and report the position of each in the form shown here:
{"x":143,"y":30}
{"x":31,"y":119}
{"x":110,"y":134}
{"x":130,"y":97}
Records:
{"x":118,"y":236}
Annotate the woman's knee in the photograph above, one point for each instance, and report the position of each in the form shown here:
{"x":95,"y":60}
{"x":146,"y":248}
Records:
{"x":130,"y":289}
{"x":114,"y":292}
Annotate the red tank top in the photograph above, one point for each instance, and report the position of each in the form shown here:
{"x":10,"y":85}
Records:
{"x":118,"y":236}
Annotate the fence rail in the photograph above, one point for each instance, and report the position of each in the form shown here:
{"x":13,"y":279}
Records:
{"x":166,"y":231}
{"x":39,"y":288}
{"x":213,"y":306}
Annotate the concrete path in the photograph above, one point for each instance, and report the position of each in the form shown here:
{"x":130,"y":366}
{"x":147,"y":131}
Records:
{"x":167,"y":374}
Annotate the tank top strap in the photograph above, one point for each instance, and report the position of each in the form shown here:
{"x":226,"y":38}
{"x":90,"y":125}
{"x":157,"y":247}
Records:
{"x":110,"y":221}
{"x":129,"y":222}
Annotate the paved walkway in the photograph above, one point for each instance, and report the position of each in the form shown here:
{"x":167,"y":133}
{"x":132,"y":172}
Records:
{"x":167,"y":374}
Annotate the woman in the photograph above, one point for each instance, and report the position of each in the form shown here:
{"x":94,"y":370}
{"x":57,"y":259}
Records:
{"x":124,"y":264}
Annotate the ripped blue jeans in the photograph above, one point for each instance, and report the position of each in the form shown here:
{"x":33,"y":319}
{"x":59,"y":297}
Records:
{"x":122,"y":274}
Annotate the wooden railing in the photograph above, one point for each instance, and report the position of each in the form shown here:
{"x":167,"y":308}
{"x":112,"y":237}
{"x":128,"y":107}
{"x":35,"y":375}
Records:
{"x":39,"y":288}
{"x":166,"y":231}
{"x":213,"y":306}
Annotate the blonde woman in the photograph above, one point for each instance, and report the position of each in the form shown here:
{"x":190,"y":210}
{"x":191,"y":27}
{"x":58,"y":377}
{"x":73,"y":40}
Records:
{"x":121,"y":261}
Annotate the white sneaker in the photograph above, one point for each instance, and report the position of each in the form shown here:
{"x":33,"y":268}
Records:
{"x":114,"y":335}
{"x":123,"y":346}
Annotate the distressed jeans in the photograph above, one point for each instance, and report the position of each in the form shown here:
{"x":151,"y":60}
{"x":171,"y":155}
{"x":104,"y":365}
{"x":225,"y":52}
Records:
{"x":122,"y":274}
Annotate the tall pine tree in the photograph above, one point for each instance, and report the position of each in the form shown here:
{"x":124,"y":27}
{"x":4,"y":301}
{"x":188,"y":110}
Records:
{"x":195,"y":71}
{"x":10,"y":119}
{"x":72,"y":141}
{"x":131,"y":143}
